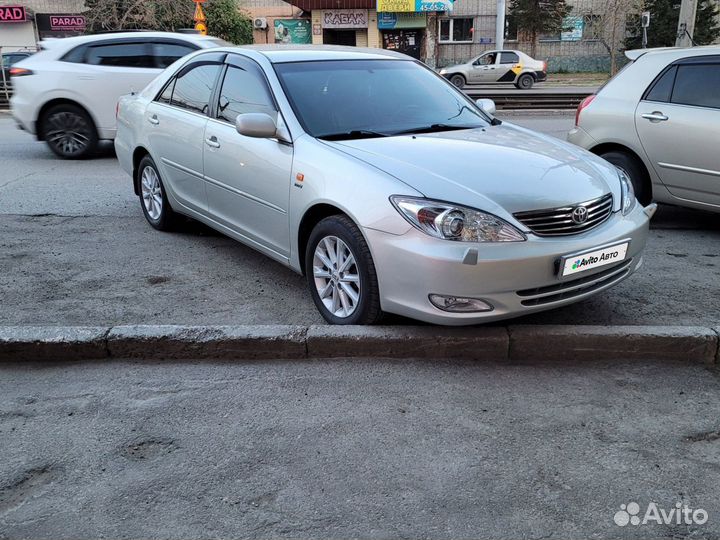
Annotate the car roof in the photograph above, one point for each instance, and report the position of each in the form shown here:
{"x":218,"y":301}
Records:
{"x":691,"y":51}
{"x":307,"y":53}
{"x":78,"y":40}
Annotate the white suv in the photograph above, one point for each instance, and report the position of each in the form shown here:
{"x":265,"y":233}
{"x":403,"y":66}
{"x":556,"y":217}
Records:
{"x":67,"y":93}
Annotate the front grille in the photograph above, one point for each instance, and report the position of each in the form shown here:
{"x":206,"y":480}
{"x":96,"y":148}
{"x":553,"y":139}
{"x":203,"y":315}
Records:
{"x":575,"y":287}
{"x":559,"y":221}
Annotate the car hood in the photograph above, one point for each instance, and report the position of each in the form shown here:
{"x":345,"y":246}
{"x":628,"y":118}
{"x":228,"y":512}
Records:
{"x":500,"y":169}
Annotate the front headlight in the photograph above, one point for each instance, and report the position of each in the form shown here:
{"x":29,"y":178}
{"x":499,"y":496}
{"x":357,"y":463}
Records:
{"x":627,"y":201}
{"x":453,"y":222}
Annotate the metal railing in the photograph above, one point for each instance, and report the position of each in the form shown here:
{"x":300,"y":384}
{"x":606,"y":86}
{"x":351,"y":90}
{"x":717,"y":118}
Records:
{"x":6,"y":91}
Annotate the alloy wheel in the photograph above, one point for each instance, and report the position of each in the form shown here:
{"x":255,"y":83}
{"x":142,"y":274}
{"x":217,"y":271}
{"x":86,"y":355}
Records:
{"x":69,"y":132}
{"x":151,"y":193}
{"x":337,"y":276}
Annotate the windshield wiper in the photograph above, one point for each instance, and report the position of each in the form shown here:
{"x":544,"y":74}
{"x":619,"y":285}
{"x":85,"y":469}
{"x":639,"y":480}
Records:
{"x":354,"y":134}
{"x":433,"y":128}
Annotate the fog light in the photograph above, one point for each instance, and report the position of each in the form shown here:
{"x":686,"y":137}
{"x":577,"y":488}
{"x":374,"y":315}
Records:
{"x":458,"y":304}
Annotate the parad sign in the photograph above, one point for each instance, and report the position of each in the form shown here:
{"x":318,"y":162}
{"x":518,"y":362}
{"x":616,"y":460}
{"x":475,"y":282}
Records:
{"x":67,"y":22}
{"x":12,"y":14}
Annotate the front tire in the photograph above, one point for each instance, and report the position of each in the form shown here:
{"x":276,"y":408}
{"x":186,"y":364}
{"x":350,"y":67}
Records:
{"x":634,"y":171}
{"x":525,"y":82}
{"x":457,"y":80}
{"x":69,"y":131}
{"x":341,"y":274}
{"x":154,"y":202}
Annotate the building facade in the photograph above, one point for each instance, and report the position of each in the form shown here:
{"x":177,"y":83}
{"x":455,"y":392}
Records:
{"x":25,"y":22}
{"x":439,"y":33}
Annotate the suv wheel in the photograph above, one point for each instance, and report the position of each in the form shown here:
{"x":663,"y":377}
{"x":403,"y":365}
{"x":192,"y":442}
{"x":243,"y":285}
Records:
{"x":341,"y":273}
{"x":69,"y":131}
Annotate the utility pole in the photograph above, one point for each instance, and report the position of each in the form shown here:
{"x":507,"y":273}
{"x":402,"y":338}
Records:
{"x":500,"y":25}
{"x":686,"y":23}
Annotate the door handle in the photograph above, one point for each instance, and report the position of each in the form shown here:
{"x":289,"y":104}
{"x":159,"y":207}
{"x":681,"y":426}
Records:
{"x":212,"y":142}
{"x":153,"y":119}
{"x":655,"y":116}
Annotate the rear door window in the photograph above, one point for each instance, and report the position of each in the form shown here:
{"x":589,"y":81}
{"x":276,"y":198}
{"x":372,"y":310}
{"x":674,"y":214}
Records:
{"x":697,"y":84}
{"x":509,"y":58}
{"x":193,"y":87}
{"x":662,"y":88}
{"x":128,"y":54}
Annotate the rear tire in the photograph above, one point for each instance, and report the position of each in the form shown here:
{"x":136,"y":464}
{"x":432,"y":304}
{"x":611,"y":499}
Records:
{"x":458,"y":80}
{"x":341,"y":274}
{"x":633,"y":170}
{"x":525,"y":81}
{"x":153,"y":200}
{"x":69,"y":131}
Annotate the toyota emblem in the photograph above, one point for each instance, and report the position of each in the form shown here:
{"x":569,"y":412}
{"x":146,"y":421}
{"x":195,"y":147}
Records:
{"x":580,"y":215}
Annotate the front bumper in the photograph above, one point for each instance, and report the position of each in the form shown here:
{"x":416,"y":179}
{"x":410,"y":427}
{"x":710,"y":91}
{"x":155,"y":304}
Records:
{"x":515,"y":278}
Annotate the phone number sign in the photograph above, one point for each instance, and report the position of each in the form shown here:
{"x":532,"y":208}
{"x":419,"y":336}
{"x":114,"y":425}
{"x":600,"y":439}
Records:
{"x":413,"y":6}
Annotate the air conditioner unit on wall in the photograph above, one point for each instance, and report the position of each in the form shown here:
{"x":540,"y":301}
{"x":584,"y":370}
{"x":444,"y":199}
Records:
{"x":260,"y":23}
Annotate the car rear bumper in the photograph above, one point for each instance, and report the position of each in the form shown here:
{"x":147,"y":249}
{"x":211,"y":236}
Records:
{"x":540,"y":76}
{"x":514,"y":278}
{"x":579,"y":137}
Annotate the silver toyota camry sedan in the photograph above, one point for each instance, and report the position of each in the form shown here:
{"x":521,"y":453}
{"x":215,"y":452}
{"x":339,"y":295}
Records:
{"x":381,"y":182}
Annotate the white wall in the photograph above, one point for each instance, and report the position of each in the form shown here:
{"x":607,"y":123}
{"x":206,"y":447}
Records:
{"x":15,"y":36}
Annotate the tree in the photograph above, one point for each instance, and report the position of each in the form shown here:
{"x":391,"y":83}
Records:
{"x":664,"y":16}
{"x":612,"y":24}
{"x":226,"y":21}
{"x":167,"y":15}
{"x":537,"y":17}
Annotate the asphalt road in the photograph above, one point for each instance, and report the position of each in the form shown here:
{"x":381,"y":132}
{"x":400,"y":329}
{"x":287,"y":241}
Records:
{"x":355,"y":449}
{"x":75,"y":249}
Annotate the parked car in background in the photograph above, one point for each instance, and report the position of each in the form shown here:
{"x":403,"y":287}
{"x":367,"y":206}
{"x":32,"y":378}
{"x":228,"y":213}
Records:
{"x":9,"y":59}
{"x":66,"y":94}
{"x":492,"y":67}
{"x":386,"y":186}
{"x":658,"y":120}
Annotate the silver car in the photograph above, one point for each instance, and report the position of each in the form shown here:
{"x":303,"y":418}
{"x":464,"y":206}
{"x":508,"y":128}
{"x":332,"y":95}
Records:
{"x":379,"y":181}
{"x":659,"y":121}
{"x":503,"y":67}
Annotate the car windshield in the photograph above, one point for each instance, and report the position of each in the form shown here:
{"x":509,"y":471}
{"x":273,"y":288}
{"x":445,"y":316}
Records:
{"x":343,"y":99}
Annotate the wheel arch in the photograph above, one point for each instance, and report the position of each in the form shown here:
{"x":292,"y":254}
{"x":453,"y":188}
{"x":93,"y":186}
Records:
{"x":312,"y":216}
{"x":39,"y":128}
{"x":617,"y":147}
{"x":139,"y":153}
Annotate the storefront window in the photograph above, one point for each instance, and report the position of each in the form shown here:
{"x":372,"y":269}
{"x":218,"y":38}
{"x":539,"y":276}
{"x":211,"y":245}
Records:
{"x":456,"y":30}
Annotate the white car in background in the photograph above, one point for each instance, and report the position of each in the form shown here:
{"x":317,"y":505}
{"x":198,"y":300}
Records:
{"x":67,"y":93}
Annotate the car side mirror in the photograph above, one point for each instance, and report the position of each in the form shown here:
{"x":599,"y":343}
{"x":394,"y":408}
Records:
{"x":258,"y":125}
{"x":487,"y":105}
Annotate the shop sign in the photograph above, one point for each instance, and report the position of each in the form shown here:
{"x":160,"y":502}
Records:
{"x":392,"y":21}
{"x":59,"y":24}
{"x":345,"y":18}
{"x":12,"y":14}
{"x":572,"y":29}
{"x":416,"y":6}
{"x":292,"y":31}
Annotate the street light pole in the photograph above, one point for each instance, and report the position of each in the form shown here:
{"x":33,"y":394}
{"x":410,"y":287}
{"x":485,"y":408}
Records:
{"x":686,"y":23}
{"x":500,"y":25}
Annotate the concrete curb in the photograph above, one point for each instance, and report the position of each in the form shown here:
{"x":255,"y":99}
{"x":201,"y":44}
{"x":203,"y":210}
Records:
{"x":594,"y":343}
{"x":512,"y":343}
